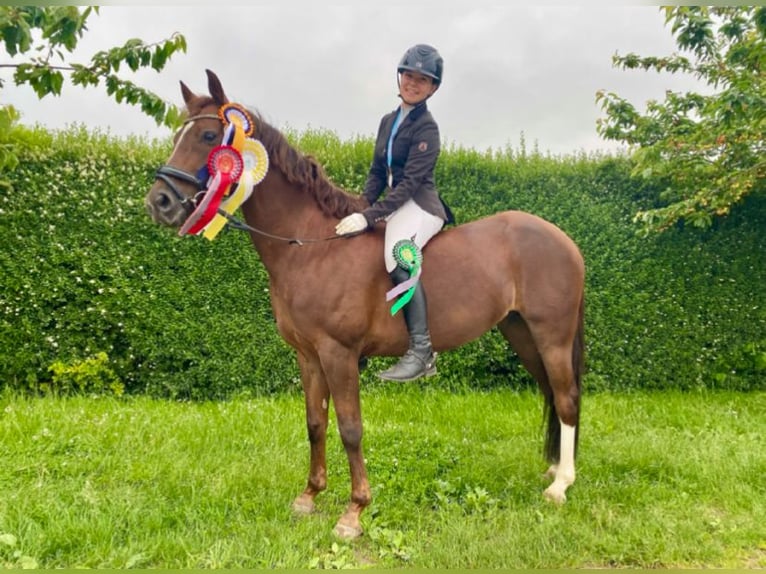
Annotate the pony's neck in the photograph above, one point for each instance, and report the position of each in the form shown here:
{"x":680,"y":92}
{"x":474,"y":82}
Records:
{"x":296,"y":200}
{"x":281,"y":211}
{"x":306,"y":174}
{"x":287,"y":205}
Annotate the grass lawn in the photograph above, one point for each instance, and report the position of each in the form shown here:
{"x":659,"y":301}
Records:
{"x":665,"y":479}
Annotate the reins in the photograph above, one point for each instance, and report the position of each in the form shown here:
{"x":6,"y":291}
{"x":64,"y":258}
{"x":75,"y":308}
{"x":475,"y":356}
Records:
{"x":235,"y":223}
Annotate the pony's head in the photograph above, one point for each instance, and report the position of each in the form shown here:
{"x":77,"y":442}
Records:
{"x":182,"y":180}
{"x":220,"y":155}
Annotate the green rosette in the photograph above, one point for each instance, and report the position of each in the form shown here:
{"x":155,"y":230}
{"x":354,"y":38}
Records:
{"x":409,"y":257}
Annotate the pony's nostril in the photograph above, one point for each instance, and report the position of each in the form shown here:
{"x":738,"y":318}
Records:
{"x":163,"y":200}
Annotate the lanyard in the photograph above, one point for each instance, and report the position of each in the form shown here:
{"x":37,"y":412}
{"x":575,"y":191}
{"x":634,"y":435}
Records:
{"x":394,"y":129}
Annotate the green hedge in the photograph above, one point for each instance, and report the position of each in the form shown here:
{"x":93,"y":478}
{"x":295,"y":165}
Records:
{"x":86,"y":273}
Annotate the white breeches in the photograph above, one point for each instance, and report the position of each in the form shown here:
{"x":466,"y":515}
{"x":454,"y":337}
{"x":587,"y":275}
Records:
{"x":410,"y":221}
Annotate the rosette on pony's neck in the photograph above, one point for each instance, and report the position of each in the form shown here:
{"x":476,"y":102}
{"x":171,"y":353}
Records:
{"x":256,"y":165}
{"x":234,"y":114}
{"x":225,"y":165}
{"x":233,"y":169}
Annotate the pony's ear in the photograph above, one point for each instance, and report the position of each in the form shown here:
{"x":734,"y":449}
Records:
{"x":215,"y":88}
{"x":186,"y":92}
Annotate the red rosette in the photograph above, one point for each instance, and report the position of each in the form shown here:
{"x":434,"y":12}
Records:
{"x":207,"y":208}
{"x":236,"y":114}
{"x":227,"y":161}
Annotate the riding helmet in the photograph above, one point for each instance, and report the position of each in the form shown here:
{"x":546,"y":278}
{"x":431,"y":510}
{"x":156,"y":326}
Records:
{"x":424,"y":59}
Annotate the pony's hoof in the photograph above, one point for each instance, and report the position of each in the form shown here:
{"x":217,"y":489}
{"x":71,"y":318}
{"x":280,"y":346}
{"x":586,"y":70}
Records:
{"x":303,"y":506}
{"x":346,"y":532}
{"x":555,"y":495}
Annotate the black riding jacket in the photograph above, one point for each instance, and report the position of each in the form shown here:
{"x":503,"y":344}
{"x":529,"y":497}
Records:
{"x":414,"y":153}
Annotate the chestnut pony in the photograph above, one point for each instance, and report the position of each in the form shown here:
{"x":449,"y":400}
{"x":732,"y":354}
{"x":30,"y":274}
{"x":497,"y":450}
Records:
{"x":512,"y":270}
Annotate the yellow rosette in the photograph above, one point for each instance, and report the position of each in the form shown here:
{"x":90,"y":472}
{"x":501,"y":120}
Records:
{"x":256,"y":165}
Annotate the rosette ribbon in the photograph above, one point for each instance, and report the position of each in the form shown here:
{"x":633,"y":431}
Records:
{"x":233,"y":169}
{"x":256,"y":164}
{"x":409,"y":257}
{"x":225,"y":166}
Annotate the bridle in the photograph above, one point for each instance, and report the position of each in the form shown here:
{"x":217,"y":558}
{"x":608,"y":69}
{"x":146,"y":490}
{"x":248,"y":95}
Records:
{"x":169,"y":175}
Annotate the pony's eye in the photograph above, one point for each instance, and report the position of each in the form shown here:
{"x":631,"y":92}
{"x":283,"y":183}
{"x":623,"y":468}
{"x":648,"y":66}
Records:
{"x":210,"y":137}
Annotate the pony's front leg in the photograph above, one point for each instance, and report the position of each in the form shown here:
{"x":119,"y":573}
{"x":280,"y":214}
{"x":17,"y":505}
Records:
{"x":317,"y":395}
{"x":341,"y":368}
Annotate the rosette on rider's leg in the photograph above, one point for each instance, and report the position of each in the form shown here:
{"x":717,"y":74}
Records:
{"x":409,"y":257}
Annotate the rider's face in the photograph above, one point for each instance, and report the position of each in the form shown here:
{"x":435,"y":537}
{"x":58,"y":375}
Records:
{"x":415,"y":87}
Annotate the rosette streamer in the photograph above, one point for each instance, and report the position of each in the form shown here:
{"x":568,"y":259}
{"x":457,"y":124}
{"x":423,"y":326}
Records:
{"x":409,"y":257}
{"x":225,"y":165}
{"x":256,"y":164}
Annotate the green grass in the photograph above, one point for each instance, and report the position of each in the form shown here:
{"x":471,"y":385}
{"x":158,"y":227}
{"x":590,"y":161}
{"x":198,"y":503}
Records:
{"x":665,"y":479}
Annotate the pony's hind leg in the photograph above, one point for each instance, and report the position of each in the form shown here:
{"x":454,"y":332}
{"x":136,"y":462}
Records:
{"x":317,"y":397}
{"x":560,"y":437}
{"x":563,"y":472}
{"x":563,"y":418}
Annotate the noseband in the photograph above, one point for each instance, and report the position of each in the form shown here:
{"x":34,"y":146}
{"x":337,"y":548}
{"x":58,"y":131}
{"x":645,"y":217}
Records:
{"x":167,"y":174}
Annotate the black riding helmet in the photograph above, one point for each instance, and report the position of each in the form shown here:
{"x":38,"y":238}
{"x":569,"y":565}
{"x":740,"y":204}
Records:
{"x":424,"y":59}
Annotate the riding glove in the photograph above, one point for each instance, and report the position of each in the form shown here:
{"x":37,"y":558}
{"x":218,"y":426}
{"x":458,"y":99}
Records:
{"x":351,"y":224}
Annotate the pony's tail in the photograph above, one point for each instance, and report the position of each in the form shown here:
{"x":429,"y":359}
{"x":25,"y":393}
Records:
{"x":553,"y":431}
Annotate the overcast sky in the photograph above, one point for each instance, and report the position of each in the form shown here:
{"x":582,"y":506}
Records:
{"x":509,"y":68}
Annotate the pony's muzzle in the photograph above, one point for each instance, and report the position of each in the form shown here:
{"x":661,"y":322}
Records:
{"x":166,"y":203}
{"x":165,"y":208}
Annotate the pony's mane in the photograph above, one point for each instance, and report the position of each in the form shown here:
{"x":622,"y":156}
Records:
{"x":305,"y":171}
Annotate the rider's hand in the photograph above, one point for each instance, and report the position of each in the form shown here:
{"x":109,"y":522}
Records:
{"x":351,"y":224}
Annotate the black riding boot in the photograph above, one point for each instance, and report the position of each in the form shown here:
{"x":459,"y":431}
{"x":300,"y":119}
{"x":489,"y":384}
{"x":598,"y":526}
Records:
{"x":420,"y":359}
